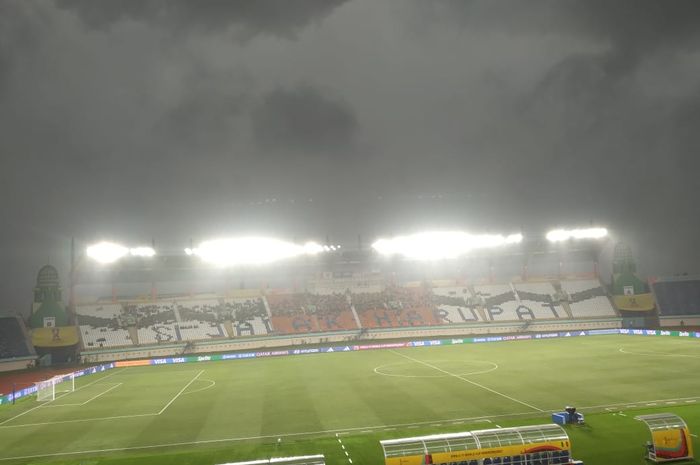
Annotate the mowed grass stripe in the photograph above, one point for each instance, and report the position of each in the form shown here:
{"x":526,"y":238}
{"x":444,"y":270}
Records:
{"x":304,"y":399}
{"x":466,"y":380}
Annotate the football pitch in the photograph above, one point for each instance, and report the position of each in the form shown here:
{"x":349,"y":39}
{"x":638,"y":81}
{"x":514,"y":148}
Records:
{"x":342,"y":404}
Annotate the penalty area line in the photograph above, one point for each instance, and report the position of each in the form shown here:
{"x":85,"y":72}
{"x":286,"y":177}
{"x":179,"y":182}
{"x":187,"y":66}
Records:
{"x":46,"y":404}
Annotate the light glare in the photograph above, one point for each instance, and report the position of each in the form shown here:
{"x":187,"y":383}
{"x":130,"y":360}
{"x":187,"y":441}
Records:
{"x":142,"y":252}
{"x":251,"y":251}
{"x":106,"y":252}
{"x":559,"y":235}
{"x":441,"y":245}
{"x":109,"y":252}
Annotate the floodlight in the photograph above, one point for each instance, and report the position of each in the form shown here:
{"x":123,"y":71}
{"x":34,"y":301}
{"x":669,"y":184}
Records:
{"x":142,"y":252}
{"x":251,"y":251}
{"x":441,"y":245}
{"x":559,"y":235}
{"x":106,"y":252}
{"x":514,"y":239}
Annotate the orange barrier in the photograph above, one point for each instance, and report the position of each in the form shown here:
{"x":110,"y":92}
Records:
{"x":132,"y":363}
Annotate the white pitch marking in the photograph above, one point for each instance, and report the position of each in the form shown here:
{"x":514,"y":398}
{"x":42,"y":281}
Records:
{"x":43,"y":405}
{"x":694,"y":435}
{"x":468,"y":381}
{"x":80,"y":420}
{"x":343,"y":446}
{"x":493,"y":367}
{"x":480,"y":419}
{"x":633,"y":404}
{"x":657,"y":354}
{"x":211,"y":385}
{"x":181,"y":391}
{"x":89,"y":400}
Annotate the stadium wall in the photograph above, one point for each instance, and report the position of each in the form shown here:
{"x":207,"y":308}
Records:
{"x":679,"y":320}
{"x":343,"y":337}
{"x":14,"y":364}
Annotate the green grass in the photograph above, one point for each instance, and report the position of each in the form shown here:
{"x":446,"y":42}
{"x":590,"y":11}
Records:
{"x":237,"y":410}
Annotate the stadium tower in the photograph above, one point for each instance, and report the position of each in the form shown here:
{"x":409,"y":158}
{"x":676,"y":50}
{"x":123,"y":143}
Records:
{"x":631,"y":294}
{"x":54,"y":338}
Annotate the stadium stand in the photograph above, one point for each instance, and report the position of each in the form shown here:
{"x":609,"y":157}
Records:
{"x":289,"y":314}
{"x":12,"y":341}
{"x":540,"y":298}
{"x":395,"y":307}
{"x":197,"y":330}
{"x":524,"y":301}
{"x":157,"y":334}
{"x":678,"y":296}
{"x":101,"y":325}
{"x":455,"y":305}
{"x":249,"y":316}
{"x":98,"y":337}
{"x":587,"y":298}
{"x":199,"y":320}
{"x":155,"y":322}
{"x":328,"y":309}
{"x":332,"y":311}
{"x":304,"y":313}
{"x":500,"y":304}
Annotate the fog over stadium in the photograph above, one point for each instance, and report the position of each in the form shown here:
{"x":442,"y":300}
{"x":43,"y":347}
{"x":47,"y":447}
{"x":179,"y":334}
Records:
{"x":307,"y":120}
{"x":349,"y":232}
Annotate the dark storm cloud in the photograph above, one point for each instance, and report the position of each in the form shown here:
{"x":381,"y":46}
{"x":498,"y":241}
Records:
{"x":177,"y":119}
{"x":628,"y":29}
{"x":303,"y":119}
{"x":280,"y":17}
{"x":209,"y":109}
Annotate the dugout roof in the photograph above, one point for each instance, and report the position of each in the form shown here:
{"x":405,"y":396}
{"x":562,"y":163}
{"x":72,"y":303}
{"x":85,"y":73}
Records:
{"x":662,"y":421}
{"x":473,"y":440}
{"x":301,"y":460}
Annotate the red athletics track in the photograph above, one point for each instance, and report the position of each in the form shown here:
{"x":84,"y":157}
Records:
{"x":23,"y":379}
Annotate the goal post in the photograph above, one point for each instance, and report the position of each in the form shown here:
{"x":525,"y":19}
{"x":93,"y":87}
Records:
{"x":49,"y":389}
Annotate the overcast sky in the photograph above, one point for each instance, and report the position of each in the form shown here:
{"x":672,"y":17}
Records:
{"x":177,"y":119}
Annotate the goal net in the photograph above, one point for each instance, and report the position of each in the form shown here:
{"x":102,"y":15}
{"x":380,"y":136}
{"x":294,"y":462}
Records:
{"x":49,"y":389}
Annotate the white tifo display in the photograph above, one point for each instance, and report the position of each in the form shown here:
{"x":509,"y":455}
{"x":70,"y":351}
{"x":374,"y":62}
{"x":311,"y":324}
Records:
{"x":47,"y":390}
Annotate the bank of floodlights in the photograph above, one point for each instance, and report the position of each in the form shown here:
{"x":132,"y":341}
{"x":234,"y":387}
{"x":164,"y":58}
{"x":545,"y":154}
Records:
{"x":561,"y":235}
{"x":109,"y":252}
{"x":253,"y":250}
{"x":441,"y":245}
